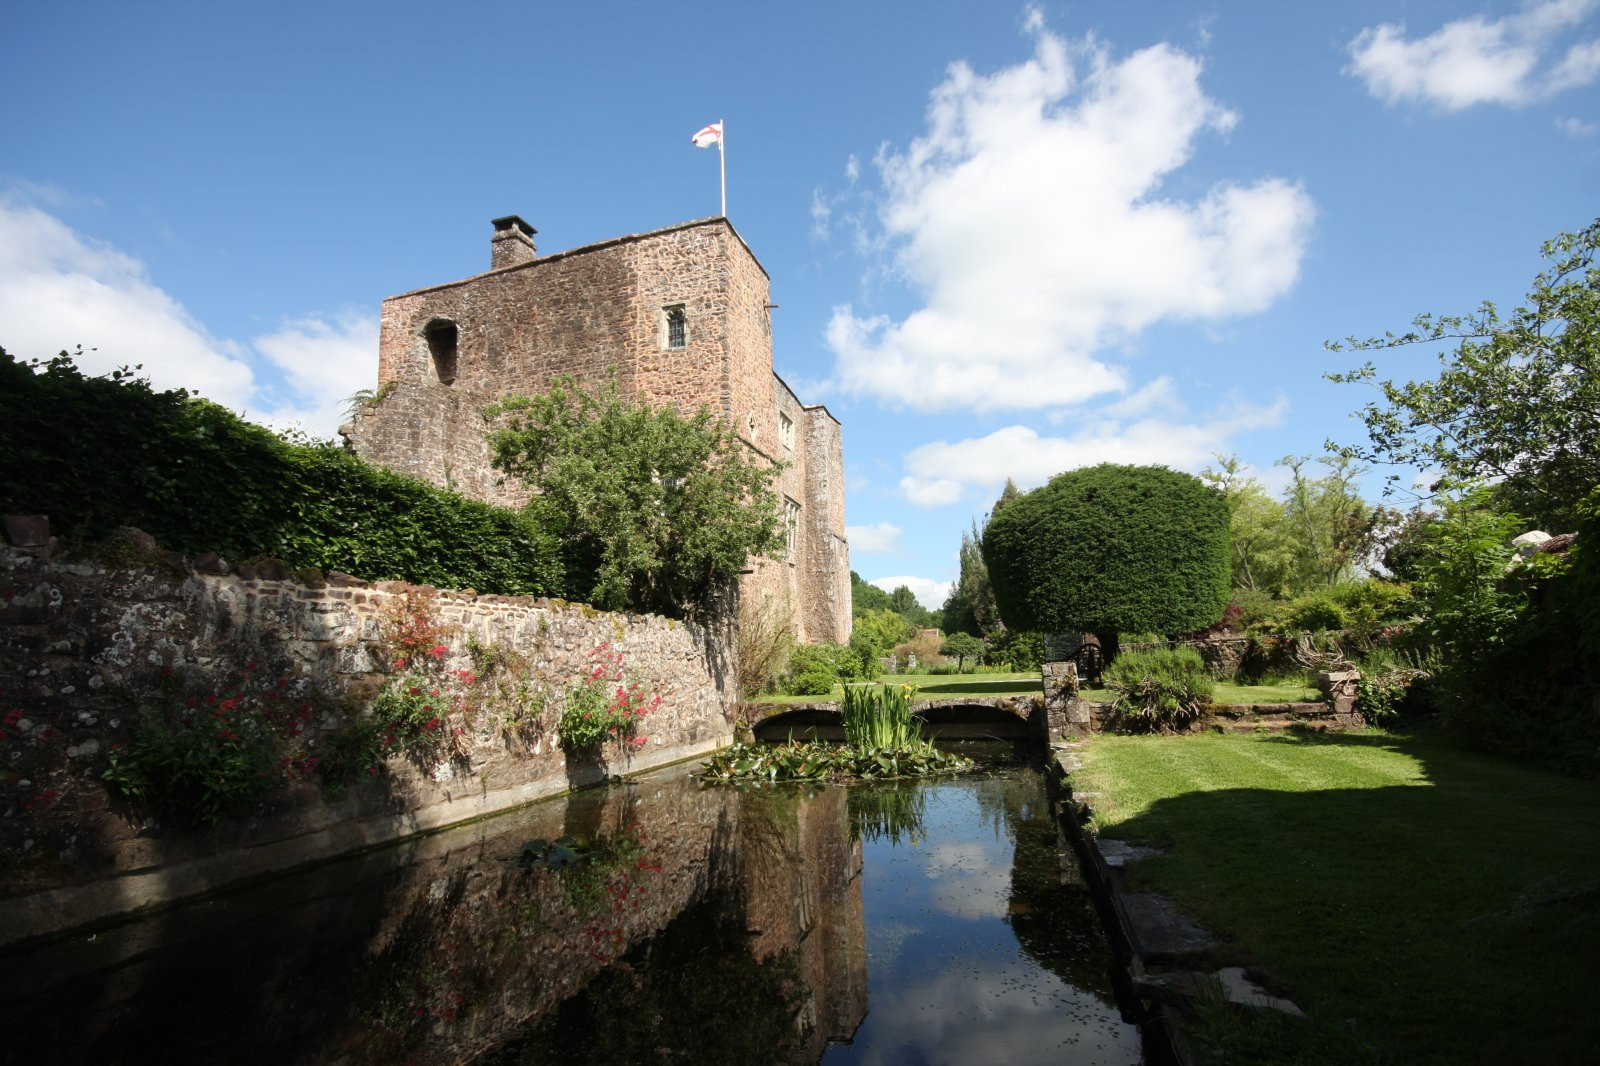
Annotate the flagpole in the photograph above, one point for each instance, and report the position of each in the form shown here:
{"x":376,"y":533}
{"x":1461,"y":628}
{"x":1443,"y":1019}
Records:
{"x":722,"y":160}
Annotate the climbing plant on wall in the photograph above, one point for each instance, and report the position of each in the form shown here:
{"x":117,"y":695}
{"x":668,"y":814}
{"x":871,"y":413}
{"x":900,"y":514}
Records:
{"x":95,"y":453}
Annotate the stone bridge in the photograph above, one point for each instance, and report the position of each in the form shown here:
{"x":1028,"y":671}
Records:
{"x":950,"y":717}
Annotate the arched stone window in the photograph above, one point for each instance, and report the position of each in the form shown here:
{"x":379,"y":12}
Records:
{"x":442,"y":338}
{"x":676,"y":322}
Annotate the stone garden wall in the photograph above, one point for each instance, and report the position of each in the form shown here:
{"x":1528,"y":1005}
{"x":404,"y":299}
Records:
{"x":90,"y":637}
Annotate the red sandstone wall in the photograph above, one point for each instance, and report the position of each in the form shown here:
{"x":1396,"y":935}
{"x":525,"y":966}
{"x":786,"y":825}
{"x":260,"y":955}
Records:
{"x":84,"y":645}
{"x":583,"y":312}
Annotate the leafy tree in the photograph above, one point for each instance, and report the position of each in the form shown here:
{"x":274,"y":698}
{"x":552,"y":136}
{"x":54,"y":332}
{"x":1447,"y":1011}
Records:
{"x":884,"y":628}
{"x":1329,"y":524}
{"x":662,"y":509}
{"x":1314,"y":538}
{"x":970,"y":607}
{"x":904,"y":603}
{"x":1020,"y":649}
{"x":1262,"y":556}
{"x":1402,"y":540}
{"x":1111,"y":549}
{"x":1517,"y":399}
{"x":865,"y":597}
{"x":963,"y":646}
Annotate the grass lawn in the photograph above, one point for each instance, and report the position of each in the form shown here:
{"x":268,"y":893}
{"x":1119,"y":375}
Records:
{"x":1422,"y":903}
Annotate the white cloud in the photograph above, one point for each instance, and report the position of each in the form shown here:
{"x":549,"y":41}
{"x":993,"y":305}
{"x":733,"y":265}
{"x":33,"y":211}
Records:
{"x":982,"y":464}
{"x":930,"y":593}
{"x":930,"y":491}
{"x":60,"y":289}
{"x":1514,"y":60}
{"x":879,"y":538}
{"x":1029,"y":216}
{"x":1577,"y":127}
{"x":322,"y":364}
{"x":821,"y":216}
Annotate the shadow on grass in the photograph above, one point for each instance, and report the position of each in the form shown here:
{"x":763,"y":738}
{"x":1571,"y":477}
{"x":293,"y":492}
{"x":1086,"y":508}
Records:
{"x":1004,"y":687}
{"x":1441,"y":905}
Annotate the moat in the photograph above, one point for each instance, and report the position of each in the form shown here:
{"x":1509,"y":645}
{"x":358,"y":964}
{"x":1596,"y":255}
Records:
{"x":654,"y":920}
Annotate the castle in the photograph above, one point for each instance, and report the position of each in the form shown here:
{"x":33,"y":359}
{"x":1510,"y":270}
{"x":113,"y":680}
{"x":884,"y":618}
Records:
{"x":683,"y":316}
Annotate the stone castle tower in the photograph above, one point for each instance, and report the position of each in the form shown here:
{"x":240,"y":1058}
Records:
{"x":683,"y":314}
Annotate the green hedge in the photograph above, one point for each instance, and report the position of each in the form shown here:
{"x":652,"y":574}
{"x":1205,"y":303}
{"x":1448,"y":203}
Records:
{"x":95,"y":453}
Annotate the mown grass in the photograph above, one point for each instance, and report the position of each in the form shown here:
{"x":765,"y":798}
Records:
{"x":1284,"y":693}
{"x":1421,"y":903}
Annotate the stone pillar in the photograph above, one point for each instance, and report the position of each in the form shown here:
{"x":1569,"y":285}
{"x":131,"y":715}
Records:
{"x":1338,"y":688}
{"x":1066,"y":714}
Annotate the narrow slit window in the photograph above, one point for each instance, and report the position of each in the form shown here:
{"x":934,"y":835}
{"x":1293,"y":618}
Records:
{"x":791,"y":529}
{"x":442,"y":337}
{"x":677,"y":327}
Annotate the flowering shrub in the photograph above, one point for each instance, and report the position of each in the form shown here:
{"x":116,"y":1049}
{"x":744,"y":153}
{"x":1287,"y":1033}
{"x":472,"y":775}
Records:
{"x":412,"y":628}
{"x":606,"y":886}
{"x":209,"y":756}
{"x":413,"y":713}
{"x":604,"y":706}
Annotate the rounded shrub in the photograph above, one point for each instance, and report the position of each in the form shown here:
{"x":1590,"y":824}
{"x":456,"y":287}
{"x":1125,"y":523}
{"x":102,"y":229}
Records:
{"x":1111,"y":549}
{"x":1316,"y":613}
{"x":1159,"y":689}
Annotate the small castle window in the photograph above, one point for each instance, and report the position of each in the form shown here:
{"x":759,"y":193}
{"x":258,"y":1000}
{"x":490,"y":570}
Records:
{"x":677,"y":326}
{"x":791,"y":528}
{"x":442,"y":338}
{"x":785,"y":430}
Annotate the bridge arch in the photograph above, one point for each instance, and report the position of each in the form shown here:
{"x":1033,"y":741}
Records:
{"x":971,"y":718}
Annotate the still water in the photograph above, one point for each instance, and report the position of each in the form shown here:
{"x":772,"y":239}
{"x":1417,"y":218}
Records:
{"x":925,"y":922}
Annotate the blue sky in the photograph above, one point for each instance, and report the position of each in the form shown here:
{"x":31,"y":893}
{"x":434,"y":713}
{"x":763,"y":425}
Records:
{"x":1005,"y":240}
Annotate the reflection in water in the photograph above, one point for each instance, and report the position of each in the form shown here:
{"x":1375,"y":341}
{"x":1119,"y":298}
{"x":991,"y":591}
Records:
{"x":674,"y":922}
{"x":982,"y":947}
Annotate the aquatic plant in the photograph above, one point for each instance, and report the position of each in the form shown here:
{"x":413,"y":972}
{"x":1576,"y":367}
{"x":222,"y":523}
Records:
{"x":820,"y":761}
{"x":878,"y":717}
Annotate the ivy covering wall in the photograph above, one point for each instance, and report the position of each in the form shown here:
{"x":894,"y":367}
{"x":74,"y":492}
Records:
{"x":96,"y":453}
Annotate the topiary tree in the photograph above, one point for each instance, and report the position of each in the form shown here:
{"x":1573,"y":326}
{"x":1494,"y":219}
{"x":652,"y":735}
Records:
{"x":1111,"y":549}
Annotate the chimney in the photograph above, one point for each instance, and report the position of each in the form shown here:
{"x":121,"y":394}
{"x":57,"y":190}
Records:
{"x":512,"y":243}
